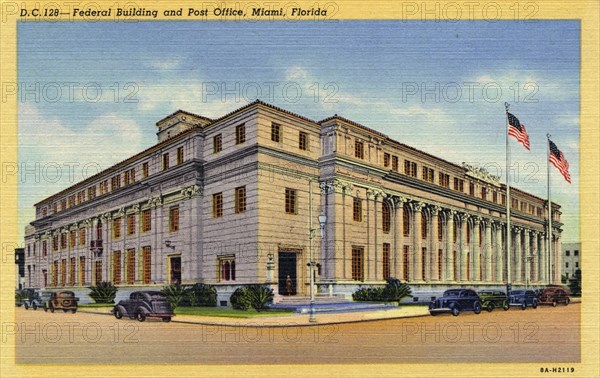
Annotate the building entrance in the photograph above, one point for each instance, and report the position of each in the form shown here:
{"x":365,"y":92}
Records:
{"x":287,"y":267}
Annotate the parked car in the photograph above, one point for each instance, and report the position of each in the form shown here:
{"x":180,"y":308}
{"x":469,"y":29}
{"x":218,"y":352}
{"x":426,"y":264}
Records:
{"x":37,"y":299}
{"x":65,"y":300}
{"x":144,"y":304}
{"x":523,"y":298}
{"x":491,"y":299}
{"x":553,"y":295}
{"x":455,"y":301}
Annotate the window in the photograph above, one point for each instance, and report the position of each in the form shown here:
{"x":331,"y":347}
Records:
{"x":357,"y":263}
{"x":127,"y":179}
{"x":395,"y":163}
{"x":72,"y":271}
{"x":44,"y":248}
{"x":130,"y":266}
{"x":290,"y":201}
{"x":423,"y":262}
{"x":566,"y":265}
{"x":386,"y":261}
{"x":116,"y":268}
{"x":459,"y":185}
{"x":147,"y":256}
{"x":439,"y":261}
{"x":132,"y":175}
{"x":468,"y":266}
{"x":63,"y":272}
{"x":576,"y":264}
{"x":406,"y":262}
{"x":174,"y":219}
{"x":568,"y":253}
{"x":495,"y":196}
{"x":576,"y":253}
{"x":503,"y":200}
{"x":165,"y":161}
{"x":91,"y":192}
{"x":472,"y":189}
{"x":424,"y":229}
{"x":357,"y":209}
{"x":427,"y":174}
{"x":275,"y":132}
{"x":72,"y":238}
{"x":444,"y":180}
{"x":240,"y":199}
{"x":240,"y":134}
{"x":63,"y":204}
{"x":116,"y":228}
{"x":146,"y":220}
{"x":483,"y":193}
{"x":217,"y":143}
{"x":179,"y":155}
{"x":468,"y":233}
{"x":386,"y":160}
{"x":217,"y":206}
{"x":82,"y":270}
{"x":440,"y":223}
{"x":97,"y":272}
{"x":303,"y":141}
{"x":54,"y":207}
{"x":131,"y":224}
{"x":359,"y":149}
{"x":45,"y":211}
{"x":145,"y":170}
{"x":410,"y":168}
{"x":80,"y":197}
{"x":227,"y":269}
{"x":103,"y":187}
{"x":385,"y":217}
{"x":63,"y":240}
{"x":71,"y":200}
{"x":115,"y":182}
{"x":55,"y":243}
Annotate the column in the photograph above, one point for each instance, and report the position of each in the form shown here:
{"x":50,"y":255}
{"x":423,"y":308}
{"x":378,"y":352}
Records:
{"x":487,"y":250}
{"x":526,"y":255}
{"x":476,"y":249}
{"x":417,"y":265}
{"x":435,"y":244}
{"x":499,"y":253}
{"x":464,"y":247}
{"x":450,"y":245}
{"x":398,"y":237}
{"x":543,"y":263}
{"x":535,"y":254}
{"x":517,"y":259}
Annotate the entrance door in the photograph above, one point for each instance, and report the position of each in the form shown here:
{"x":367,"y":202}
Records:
{"x":287,"y":267}
{"x":175,"y":275}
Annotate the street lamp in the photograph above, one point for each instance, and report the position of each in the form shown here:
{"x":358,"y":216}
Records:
{"x":311,"y":264}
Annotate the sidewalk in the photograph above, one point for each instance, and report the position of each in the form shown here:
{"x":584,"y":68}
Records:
{"x":293,"y":320}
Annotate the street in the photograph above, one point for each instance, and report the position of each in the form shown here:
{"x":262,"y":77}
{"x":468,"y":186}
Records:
{"x":543,"y":335}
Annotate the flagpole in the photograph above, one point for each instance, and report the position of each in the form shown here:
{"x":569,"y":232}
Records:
{"x":549,"y":231}
{"x":508,"y":242}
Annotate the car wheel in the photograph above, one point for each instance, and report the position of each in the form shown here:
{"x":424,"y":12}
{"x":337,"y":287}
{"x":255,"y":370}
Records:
{"x":26,"y":306}
{"x":34,"y":306}
{"x":51,"y":308}
{"x":45,"y":308}
{"x":567,"y":301}
{"x":477,"y":308}
{"x":490,"y":307}
{"x":505,"y":306}
{"x":554,"y":304}
{"x":534,"y":304}
{"x":455,"y":311}
{"x":65,"y":309}
{"x":140,"y":316}
{"x":74,"y":310}
{"x":523,"y":306}
{"x":118,"y":314}
{"x":433,"y":313}
{"x":167,"y":319}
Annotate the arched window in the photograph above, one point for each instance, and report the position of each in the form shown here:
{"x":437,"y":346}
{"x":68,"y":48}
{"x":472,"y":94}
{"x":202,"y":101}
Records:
{"x":406,"y":221}
{"x":385,"y":217}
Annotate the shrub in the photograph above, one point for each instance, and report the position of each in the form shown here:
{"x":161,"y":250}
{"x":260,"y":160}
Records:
{"x":104,"y":292}
{"x":240,"y":299}
{"x":394,"y":291}
{"x":200,"y":295}
{"x":368,"y":294}
{"x":174,"y":294}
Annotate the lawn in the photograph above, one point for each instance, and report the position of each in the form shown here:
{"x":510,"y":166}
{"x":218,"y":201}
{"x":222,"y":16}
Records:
{"x":228,"y":312}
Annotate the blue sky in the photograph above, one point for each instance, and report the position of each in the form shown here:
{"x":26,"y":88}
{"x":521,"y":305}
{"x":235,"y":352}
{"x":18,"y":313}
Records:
{"x":437,"y":86}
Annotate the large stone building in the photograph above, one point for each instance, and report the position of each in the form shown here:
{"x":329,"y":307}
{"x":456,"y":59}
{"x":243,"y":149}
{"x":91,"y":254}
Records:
{"x":226,"y":202}
{"x":571,"y":259}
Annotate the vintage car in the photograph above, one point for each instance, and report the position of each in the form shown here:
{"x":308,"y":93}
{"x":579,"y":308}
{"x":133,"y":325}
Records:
{"x":37,"y":299}
{"x":491,"y":299}
{"x":553,"y":294}
{"x":523,"y":298}
{"x":65,"y":300}
{"x":144,"y":304}
{"x":455,"y":301}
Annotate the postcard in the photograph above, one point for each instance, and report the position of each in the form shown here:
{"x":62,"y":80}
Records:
{"x":302,"y":188}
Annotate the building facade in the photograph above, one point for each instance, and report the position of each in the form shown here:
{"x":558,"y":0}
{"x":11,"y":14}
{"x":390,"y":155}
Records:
{"x":571,"y":259}
{"x":233,"y":200}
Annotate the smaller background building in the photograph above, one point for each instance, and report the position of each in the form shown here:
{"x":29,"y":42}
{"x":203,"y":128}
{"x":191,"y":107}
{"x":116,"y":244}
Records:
{"x":20,"y":261}
{"x":571,"y":258}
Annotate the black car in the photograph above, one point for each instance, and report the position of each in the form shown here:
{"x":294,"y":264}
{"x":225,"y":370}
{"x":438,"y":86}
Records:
{"x":144,"y":304}
{"x":37,"y":299}
{"x":523,"y":298}
{"x":455,"y":301}
{"x":491,"y":299}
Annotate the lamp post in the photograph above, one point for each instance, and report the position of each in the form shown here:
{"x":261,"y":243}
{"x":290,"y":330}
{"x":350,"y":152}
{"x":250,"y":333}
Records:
{"x":311,"y":262}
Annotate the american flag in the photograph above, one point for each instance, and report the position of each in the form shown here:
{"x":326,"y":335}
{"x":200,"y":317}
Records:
{"x":517,"y":130}
{"x":557,"y":158}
